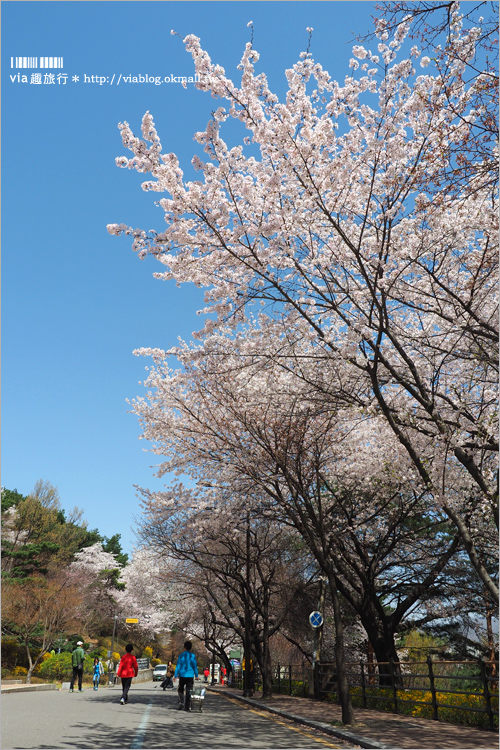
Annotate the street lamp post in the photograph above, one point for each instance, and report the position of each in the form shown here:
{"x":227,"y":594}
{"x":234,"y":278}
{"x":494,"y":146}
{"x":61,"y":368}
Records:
{"x":113,"y":637}
{"x":111,"y":673}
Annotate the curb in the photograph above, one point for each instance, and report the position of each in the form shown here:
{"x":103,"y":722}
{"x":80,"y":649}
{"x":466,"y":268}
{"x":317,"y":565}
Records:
{"x":27,"y":688}
{"x":321,"y":726}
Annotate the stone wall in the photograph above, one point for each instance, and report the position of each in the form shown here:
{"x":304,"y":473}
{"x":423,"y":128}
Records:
{"x":145,"y":675}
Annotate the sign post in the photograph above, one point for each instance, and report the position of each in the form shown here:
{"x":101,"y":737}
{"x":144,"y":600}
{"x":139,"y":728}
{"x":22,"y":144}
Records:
{"x":316,"y":621}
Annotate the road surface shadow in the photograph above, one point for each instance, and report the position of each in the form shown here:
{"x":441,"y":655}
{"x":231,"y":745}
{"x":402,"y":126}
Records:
{"x":222,"y":725}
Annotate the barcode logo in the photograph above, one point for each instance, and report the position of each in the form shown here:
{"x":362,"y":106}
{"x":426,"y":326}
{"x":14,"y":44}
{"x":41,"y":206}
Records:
{"x":36,"y":62}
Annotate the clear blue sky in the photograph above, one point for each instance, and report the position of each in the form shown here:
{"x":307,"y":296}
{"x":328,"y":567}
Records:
{"x":76,"y":301}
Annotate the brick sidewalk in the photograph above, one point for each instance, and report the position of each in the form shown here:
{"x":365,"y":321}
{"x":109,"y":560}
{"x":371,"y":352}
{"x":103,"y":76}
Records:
{"x":375,"y":729}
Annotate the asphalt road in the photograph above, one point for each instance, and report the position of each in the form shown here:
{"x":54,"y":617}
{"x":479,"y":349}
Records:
{"x":57,"y":719}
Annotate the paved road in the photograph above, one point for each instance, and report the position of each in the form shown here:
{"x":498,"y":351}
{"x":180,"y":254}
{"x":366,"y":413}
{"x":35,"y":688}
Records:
{"x":57,"y":719}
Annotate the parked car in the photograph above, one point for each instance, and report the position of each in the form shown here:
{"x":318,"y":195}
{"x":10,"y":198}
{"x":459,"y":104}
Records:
{"x":159,"y":672}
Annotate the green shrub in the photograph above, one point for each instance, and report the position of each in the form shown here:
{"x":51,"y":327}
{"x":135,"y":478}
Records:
{"x":58,"y":668}
{"x":298,"y":687}
{"x":10,"y":652}
{"x":101,"y":653}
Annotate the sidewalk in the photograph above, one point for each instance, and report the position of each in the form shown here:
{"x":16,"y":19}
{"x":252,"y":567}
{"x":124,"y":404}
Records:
{"x":373,"y":729}
{"x":18,"y":686}
{"x":23,"y":688}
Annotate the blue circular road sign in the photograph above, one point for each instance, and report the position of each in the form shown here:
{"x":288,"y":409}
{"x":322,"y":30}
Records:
{"x":316,"y":619}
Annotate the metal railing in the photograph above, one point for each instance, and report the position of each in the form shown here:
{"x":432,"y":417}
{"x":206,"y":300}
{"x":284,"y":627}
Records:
{"x":288,"y":679}
{"x":439,"y":690}
{"x":451,"y":691}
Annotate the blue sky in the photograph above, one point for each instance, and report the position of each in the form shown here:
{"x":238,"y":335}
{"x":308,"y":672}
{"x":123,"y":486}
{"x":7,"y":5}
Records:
{"x":76,"y":301}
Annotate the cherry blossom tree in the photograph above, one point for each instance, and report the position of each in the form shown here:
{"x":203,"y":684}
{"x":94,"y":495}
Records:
{"x":94,"y":560}
{"x":201,"y":611}
{"x":147,"y":591}
{"x":364,"y":214}
{"x":98,"y":575}
{"x":433,"y":27}
{"x":340,"y":478}
{"x":248,"y":568}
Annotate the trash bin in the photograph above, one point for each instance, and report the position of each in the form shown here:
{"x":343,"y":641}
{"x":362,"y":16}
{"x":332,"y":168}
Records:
{"x":111,"y":678}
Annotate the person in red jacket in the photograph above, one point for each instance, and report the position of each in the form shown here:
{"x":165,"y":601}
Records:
{"x":127,"y":669}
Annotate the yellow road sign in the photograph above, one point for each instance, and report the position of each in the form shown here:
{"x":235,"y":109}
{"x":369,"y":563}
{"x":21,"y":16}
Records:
{"x":131,"y":619}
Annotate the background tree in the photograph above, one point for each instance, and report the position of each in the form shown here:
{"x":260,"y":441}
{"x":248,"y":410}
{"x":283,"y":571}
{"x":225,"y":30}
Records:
{"x":10,"y":498}
{"x":37,"y":535}
{"x":113,"y":546}
{"x":36,"y":611}
{"x":97,"y":574}
{"x":42,"y":546}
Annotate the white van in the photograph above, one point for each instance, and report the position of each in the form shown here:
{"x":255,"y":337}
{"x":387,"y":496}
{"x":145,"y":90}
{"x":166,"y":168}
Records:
{"x":159,"y":672}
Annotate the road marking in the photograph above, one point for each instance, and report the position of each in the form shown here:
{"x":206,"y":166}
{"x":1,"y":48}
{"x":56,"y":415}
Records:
{"x":141,"y":729}
{"x":288,"y":725}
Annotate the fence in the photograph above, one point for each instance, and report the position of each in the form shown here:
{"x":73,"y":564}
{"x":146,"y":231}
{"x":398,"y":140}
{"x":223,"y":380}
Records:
{"x":460,"y":692}
{"x":289,"y":679}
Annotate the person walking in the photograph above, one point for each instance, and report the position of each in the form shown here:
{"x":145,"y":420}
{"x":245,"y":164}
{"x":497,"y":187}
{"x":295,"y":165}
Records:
{"x":186,"y":670}
{"x":168,"y":682}
{"x":97,"y":670}
{"x":77,"y":659}
{"x":206,"y":672}
{"x":127,"y":669}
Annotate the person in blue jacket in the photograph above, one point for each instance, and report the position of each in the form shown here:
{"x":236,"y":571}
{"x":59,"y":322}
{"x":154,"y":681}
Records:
{"x":186,"y":670}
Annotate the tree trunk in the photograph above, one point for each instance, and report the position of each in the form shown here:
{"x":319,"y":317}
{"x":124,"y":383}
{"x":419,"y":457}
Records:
{"x":380,"y":631}
{"x":343,"y":685}
{"x":267,"y":672}
{"x":385,"y":651}
{"x":30,"y":667}
{"x":491,"y":640}
{"x":371,"y":667}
